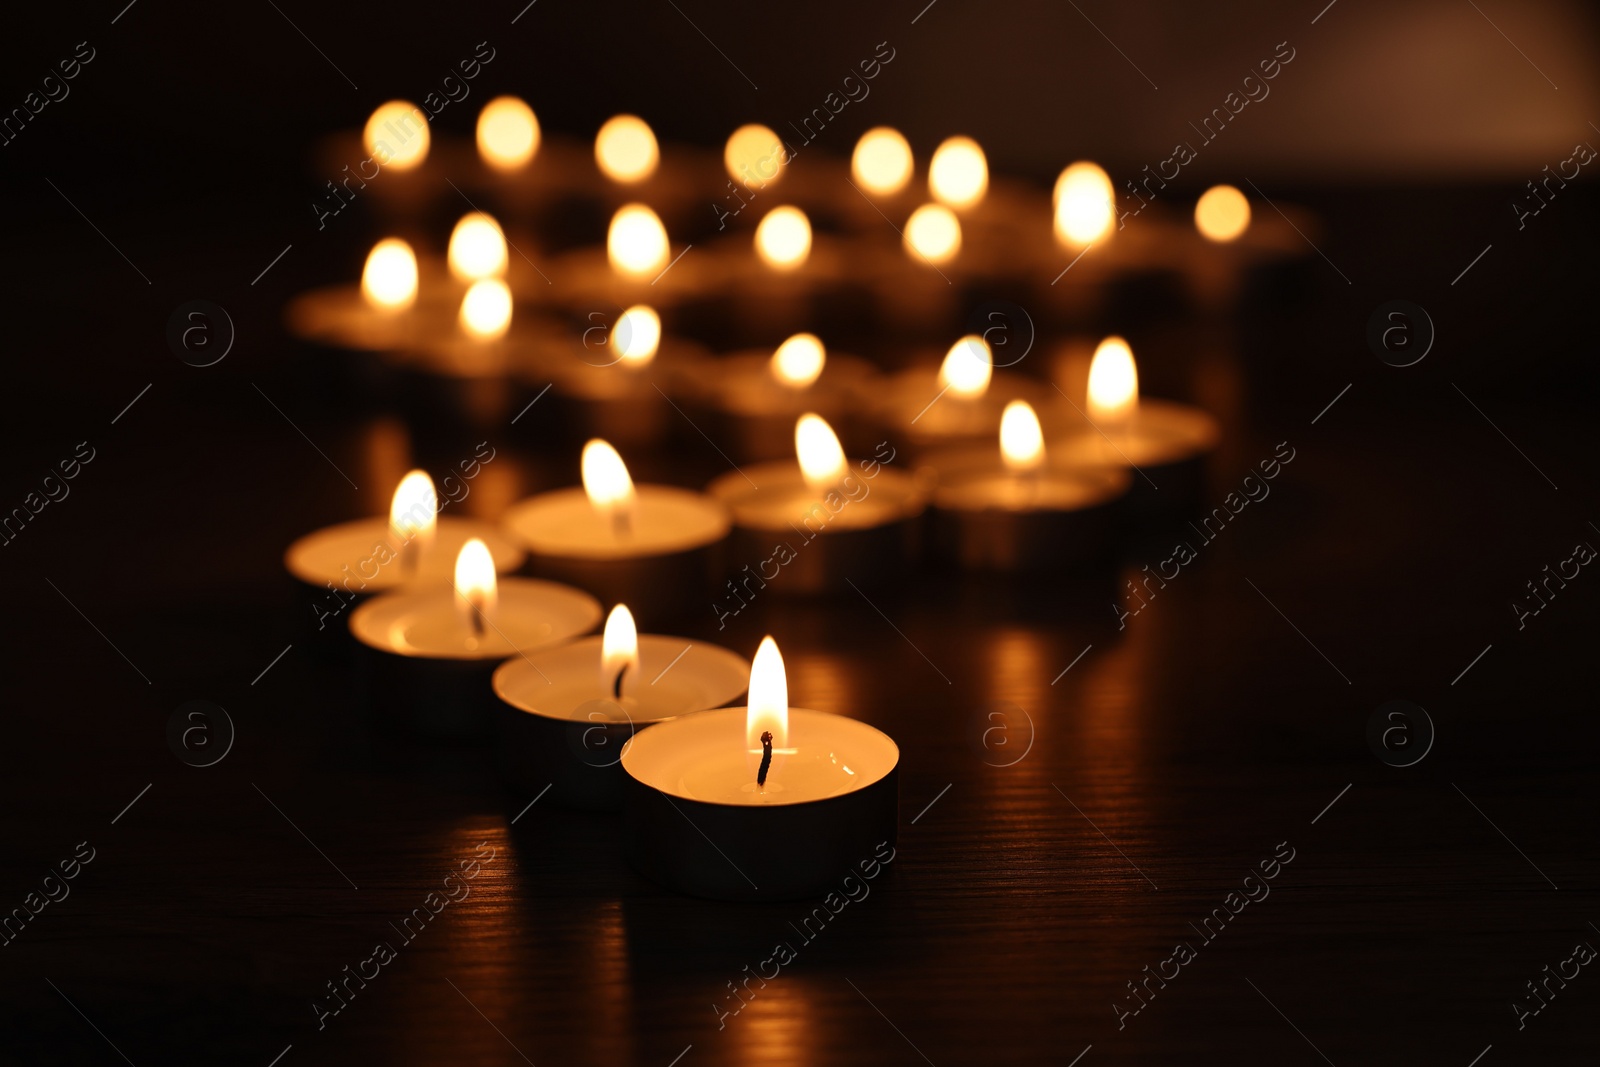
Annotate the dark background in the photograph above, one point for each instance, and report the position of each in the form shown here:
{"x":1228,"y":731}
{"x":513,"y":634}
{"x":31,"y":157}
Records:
{"x":1208,"y":731}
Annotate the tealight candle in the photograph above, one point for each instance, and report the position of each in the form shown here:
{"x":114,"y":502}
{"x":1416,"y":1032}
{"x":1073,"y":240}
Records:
{"x":432,"y":651}
{"x":754,"y":397}
{"x":565,"y":713}
{"x":816,"y":521}
{"x":633,"y":267}
{"x":652,"y":546}
{"x":1011,"y":510}
{"x":1165,"y":442}
{"x":962,"y":401}
{"x":415,"y":546}
{"x":380,"y":313}
{"x":763,"y":802}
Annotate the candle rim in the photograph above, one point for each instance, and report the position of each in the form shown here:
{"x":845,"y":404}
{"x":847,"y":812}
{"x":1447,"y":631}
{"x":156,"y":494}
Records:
{"x":373,"y":621}
{"x":521,"y":671}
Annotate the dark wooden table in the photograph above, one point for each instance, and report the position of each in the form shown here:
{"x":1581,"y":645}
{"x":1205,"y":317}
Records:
{"x":1050,"y":858}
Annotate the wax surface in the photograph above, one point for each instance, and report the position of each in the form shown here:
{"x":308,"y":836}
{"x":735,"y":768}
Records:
{"x":675,"y":676}
{"x":744,"y":385}
{"x":1160,"y":432}
{"x":775,"y":495}
{"x":665,"y":520}
{"x":1047,"y":489}
{"x":704,"y":757}
{"x":428,"y":623}
{"x":323,"y":555}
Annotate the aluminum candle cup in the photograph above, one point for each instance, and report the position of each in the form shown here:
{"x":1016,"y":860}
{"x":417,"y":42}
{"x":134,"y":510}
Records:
{"x":654,"y":547}
{"x":559,"y":722}
{"x":429,"y":669}
{"x":818,"y":523}
{"x":764,"y":802}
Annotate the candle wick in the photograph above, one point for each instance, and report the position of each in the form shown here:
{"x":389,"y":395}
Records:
{"x":622,"y":523}
{"x":475,"y":607}
{"x":766,"y":758}
{"x":616,"y":685}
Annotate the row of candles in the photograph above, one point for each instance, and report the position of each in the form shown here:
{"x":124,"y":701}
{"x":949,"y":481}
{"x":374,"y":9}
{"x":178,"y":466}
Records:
{"x":754,"y":802}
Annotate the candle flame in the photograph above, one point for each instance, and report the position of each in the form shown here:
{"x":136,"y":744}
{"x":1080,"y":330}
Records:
{"x":933,"y":234}
{"x":486,"y":310}
{"x":476,"y":589}
{"x":636,"y":243}
{"x":1083,"y":201}
{"x":754,"y":156}
{"x":389,"y":280}
{"x":958,"y":176}
{"x":882,"y":161}
{"x":822,"y":461}
{"x":606,"y":482}
{"x":769,"y":699}
{"x":798,"y":362}
{"x":1021,"y":438}
{"x":397,"y":135}
{"x":625,"y":149}
{"x":783,"y":238}
{"x":477,"y":248}
{"x":637,"y":336}
{"x":1113,"y":383}
{"x":508,"y":133}
{"x":1222,"y":213}
{"x":414,"y":508}
{"x":967,"y":368}
{"x":619,"y":650}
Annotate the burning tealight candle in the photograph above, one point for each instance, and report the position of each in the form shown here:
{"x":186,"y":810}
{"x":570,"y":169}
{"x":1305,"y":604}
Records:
{"x":397,"y":135}
{"x":933,"y":235}
{"x":881,"y":163}
{"x":1011,"y":510}
{"x":1084,"y":205}
{"x":477,"y":248}
{"x":508,"y":133}
{"x":432,"y":651}
{"x":566,"y":712}
{"x":1222,"y":213}
{"x":1163,"y":441}
{"x":754,"y":156}
{"x":377,"y":315}
{"x":625,"y":149}
{"x":783,"y":238}
{"x":963,"y":400}
{"x":754,"y":397}
{"x":414,"y":545}
{"x":636,"y":242}
{"x":764,"y":802}
{"x":958,"y":175}
{"x":817,"y":521}
{"x":653,"y":546}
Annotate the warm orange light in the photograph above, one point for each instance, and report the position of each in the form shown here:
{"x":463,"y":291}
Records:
{"x":967,"y":368}
{"x":783,"y":239}
{"x":476,"y":590}
{"x":637,"y":336}
{"x":1084,"y":203}
{"x":882,"y":161}
{"x":768,"y":710}
{"x":414,"y":508}
{"x":397,"y":135}
{"x":1113,"y":383}
{"x":1021,"y":438}
{"x":619,"y":651}
{"x":822,"y":462}
{"x":477,"y":248}
{"x":798,"y":361}
{"x":508,"y":133}
{"x":486,"y":310}
{"x":625,"y":149}
{"x":754,"y":156}
{"x":1222,"y":213}
{"x":636,"y":243}
{"x":607,"y":484}
{"x":958,"y":176}
{"x":389,"y":280}
{"x":933,"y":234}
